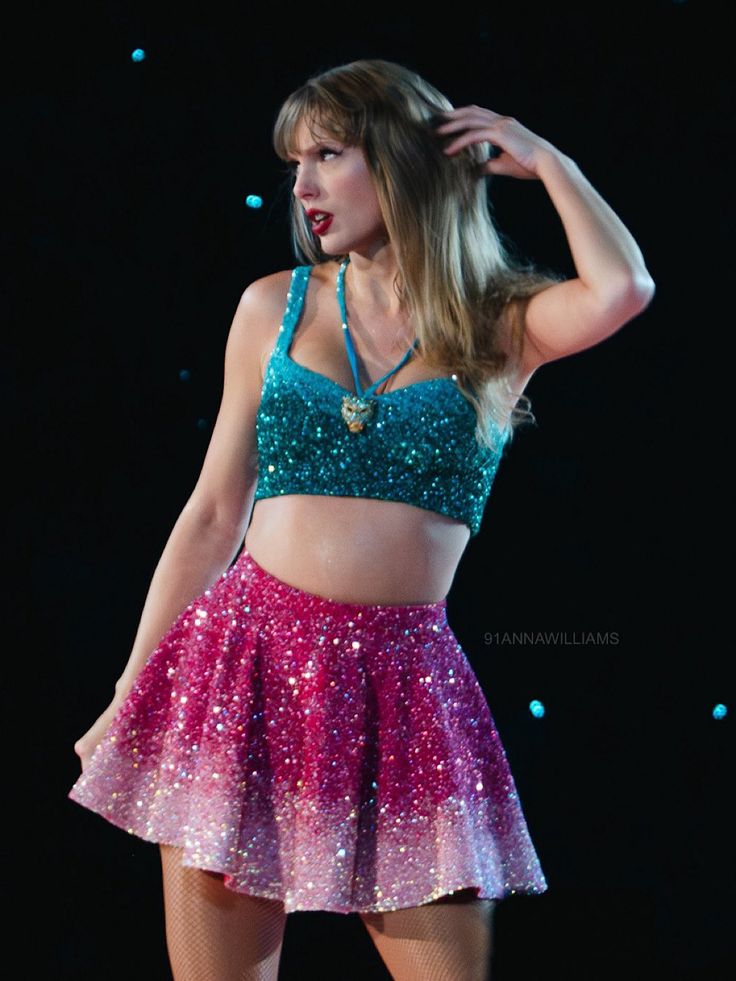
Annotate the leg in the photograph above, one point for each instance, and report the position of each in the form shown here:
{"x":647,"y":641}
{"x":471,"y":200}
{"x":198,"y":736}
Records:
{"x":447,"y":940}
{"x":213,"y":933}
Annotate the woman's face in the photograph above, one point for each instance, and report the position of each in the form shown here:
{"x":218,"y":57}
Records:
{"x":335,"y":188}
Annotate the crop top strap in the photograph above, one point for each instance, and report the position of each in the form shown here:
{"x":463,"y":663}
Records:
{"x":294,"y":306}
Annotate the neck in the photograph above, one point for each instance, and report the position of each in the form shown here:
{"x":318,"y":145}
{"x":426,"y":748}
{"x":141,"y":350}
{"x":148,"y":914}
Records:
{"x":369,"y":283}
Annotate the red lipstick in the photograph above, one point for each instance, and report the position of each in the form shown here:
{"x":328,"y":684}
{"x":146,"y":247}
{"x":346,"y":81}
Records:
{"x":321,"y":220}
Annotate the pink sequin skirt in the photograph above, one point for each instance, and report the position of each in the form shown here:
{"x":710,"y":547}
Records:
{"x":333,"y":756}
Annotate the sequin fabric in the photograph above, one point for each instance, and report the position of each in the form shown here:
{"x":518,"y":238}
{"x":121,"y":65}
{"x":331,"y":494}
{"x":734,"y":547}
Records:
{"x":334,"y":756}
{"x":419,"y":447}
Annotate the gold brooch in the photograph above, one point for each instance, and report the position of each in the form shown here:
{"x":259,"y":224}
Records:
{"x":356,"y":412}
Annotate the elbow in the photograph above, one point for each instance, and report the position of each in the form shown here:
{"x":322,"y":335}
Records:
{"x":632,"y":296}
{"x":225,"y":522}
{"x":642,"y":290}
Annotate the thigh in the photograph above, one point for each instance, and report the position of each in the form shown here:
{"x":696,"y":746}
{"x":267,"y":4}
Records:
{"x":448,"y":938}
{"x":213,"y":932}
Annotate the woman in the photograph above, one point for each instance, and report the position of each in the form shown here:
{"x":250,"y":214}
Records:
{"x":309,"y":735}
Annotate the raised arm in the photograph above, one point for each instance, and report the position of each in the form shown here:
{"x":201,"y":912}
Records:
{"x":612,"y":285}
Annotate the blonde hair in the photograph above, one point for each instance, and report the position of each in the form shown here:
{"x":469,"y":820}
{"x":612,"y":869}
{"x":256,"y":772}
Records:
{"x":464,"y":290}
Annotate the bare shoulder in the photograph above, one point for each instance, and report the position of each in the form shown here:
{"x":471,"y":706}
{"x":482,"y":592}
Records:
{"x":259,"y":315}
{"x":265,"y":298}
{"x":264,"y":301}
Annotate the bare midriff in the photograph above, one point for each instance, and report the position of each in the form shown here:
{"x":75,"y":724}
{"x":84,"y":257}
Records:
{"x":357,"y":550}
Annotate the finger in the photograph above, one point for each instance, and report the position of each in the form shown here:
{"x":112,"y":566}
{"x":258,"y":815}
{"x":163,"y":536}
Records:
{"x":459,"y":125}
{"x":468,"y":110}
{"x":457,"y":118}
{"x":464,"y":122}
{"x":469,"y":137}
{"x":495,"y":166}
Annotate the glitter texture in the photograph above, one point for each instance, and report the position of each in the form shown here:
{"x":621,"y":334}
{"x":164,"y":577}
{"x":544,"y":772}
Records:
{"x":334,"y":756}
{"x":419,"y":447}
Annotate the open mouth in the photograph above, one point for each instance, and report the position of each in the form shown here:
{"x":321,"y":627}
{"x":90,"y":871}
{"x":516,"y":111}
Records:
{"x":321,"y":221}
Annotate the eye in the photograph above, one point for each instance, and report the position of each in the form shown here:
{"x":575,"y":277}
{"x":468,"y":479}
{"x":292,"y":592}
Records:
{"x":324,"y":153}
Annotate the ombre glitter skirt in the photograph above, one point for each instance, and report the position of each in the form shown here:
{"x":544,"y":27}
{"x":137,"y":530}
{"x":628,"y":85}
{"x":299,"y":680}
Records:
{"x":333,"y":756}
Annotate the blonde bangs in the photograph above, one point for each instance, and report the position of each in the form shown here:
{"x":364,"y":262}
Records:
{"x":321,"y":112}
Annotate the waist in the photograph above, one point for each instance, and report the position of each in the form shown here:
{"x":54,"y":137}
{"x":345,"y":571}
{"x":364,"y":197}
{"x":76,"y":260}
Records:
{"x":357,"y":550}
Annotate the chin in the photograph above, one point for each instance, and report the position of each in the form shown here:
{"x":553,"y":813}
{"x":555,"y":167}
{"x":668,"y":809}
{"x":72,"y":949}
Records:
{"x":367,"y":245}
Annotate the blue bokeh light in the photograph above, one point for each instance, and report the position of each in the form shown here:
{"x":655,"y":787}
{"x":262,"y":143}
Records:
{"x":138,"y":55}
{"x":184,"y":375}
{"x":720,"y":711}
{"x":536,"y":708}
{"x":254,"y":201}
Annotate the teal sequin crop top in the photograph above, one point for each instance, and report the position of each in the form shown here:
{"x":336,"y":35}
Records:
{"x":417,"y":446}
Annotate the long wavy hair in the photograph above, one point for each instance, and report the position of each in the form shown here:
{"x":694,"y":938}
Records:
{"x":465,"y":291}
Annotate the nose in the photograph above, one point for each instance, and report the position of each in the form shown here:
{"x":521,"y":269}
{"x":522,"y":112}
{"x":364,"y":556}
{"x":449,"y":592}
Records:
{"x":305,"y":188}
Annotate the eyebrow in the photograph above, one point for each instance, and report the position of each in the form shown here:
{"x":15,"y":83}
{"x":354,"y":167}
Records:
{"x":317,"y":145}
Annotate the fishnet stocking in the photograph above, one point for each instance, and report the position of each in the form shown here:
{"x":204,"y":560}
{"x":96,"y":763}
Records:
{"x":213,"y":933}
{"x":447,"y":940}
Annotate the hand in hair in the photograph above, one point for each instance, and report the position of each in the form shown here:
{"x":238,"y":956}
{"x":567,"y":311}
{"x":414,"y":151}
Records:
{"x":518,"y":151}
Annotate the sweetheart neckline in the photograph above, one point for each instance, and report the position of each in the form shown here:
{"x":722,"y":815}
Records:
{"x":380,"y":395}
{"x":331,"y":381}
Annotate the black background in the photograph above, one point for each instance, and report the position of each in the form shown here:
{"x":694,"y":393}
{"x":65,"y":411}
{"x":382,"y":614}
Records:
{"x":126,"y":248}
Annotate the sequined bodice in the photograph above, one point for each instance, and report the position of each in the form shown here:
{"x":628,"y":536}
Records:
{"x":419,"y":446}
